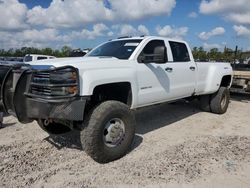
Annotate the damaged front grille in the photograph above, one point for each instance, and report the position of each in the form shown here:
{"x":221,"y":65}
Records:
{"x":56,"y":83}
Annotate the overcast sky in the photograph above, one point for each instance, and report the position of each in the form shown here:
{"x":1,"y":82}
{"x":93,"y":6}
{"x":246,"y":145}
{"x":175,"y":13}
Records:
{"x":86,"y":23}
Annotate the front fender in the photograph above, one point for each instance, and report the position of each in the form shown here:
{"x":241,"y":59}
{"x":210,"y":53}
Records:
{"x":93,"y":78}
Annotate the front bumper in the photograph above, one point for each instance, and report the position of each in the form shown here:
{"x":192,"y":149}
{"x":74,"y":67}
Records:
{"x":70,"y":109}
{"x":18,"y":101}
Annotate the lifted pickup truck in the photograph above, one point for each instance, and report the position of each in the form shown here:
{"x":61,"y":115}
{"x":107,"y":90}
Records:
{"x":97,"y":93}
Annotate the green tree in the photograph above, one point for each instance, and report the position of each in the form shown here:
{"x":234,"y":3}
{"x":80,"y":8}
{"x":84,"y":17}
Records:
{"x":66,"y":51}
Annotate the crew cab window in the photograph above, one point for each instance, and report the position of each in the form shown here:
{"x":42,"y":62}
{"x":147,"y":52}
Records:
{"x":151,"y":47}
{"x":41,"y":58}
{"x":179,"y":51}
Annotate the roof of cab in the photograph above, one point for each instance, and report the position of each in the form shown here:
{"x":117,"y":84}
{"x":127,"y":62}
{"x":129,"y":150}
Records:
{"x":147,"y":37}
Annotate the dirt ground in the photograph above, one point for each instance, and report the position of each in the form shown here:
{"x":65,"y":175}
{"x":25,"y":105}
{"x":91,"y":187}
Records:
{"x":176,"y":145}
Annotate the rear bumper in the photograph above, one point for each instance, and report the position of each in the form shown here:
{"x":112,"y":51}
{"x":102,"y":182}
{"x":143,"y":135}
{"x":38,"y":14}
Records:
{"x":17,"y":101}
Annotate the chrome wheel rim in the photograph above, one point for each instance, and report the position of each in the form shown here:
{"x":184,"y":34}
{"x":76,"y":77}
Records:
{"x":114,"y":132}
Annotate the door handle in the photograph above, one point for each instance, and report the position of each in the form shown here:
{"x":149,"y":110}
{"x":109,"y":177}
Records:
{"x":192,"y":68}
{"x":169,"y":69}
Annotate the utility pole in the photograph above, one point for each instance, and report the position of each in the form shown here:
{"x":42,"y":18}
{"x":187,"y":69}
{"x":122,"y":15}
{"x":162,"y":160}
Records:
{"x":235,"y":55}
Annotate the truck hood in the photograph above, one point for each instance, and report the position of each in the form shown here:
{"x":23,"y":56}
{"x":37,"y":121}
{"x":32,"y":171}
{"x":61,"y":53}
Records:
{"x":81,"y":63}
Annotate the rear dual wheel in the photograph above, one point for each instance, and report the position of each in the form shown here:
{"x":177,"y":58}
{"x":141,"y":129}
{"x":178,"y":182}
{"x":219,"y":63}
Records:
{"x":217,"y":102}
{"x":220,"y":101}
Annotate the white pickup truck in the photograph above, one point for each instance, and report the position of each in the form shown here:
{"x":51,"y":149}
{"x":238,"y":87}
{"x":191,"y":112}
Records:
{"x":97,"y":94}
{"x":36,"y":57}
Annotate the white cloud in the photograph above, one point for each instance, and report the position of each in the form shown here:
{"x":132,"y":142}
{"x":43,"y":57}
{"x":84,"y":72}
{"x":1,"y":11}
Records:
{"x":221,"y":6}
{"x":100,"y":30}
{"x":31,"y":37}
{"x":126,"y":30}
{"x":192,"y":15}
{"x":110,"y":33}
{"x":48,"y":23}
{"x":69,"y":13}
{"x":97,"y":31}
{"x":137,"y":9}
{"x":12,"y":15}
{"x":52,"y":37}
{"x":172,"y":32}
{"x":76,"y":13}
{"x":207,"y":46}
{"x":215,"y":32}
{"x":143,"y":30}
{"x":129,"y":30}
{"x":39,"y":35}
{"x":242,"y":31}
{"x":237,"y":11}
{"x":241,"y":18}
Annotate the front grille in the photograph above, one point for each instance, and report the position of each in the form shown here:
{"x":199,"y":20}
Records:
{"x":39,"y":79}
{"x":54,"y":83}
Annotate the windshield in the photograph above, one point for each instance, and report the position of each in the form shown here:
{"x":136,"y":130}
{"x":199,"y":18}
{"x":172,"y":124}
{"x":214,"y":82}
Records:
{"x":121,"y":49}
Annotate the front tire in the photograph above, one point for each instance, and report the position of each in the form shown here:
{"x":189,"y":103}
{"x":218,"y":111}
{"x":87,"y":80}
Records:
{"x":108,"y":131}
{"x":220,"y":101}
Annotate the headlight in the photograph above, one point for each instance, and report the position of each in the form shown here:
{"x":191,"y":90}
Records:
{"x":63,"y":77}
{"x":64,"y":91}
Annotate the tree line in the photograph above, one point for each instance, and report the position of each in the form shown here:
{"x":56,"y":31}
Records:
{"x":214,"y":54}
{"x":63,"y":52}
{"x":199,"y":53}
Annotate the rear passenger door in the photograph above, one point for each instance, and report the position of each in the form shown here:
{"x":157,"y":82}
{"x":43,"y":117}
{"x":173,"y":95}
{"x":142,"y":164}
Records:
{"x":181,"y":71}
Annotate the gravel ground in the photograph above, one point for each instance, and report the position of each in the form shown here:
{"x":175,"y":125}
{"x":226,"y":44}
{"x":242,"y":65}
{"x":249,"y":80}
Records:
{"x":176,"y":145}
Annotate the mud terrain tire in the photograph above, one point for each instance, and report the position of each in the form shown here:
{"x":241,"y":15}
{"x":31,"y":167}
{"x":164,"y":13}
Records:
{"x":95,"y":131}
{"x":220,"y":101}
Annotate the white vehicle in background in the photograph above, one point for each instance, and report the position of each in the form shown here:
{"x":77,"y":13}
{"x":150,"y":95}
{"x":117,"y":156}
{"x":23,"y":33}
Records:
{"x":36,"y":57}
{"x":97,"y":93}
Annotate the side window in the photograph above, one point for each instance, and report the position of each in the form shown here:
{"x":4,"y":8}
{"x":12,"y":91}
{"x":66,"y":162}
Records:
{"x":41,"y":58}
{"x":179,"y":51}
{"x":152,"y":48}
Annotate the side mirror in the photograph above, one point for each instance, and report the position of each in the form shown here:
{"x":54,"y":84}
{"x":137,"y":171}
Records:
{"x":159,"y":56}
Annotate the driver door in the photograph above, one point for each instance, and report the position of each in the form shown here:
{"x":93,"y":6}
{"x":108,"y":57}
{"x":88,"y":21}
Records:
{"x":153,"y":82}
